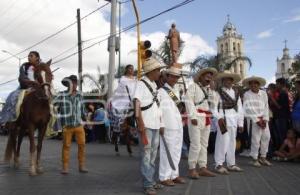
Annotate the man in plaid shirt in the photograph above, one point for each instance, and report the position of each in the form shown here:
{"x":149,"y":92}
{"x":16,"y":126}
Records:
{"x":71,"y":112}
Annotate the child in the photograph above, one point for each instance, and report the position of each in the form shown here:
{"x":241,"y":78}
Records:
{"x":290,"y":149}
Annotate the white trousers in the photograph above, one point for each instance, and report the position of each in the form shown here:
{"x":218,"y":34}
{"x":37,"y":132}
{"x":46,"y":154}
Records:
{"x":174,"y":141}
{"x":225,"y":147}
{"x":199,"y":136}
{"x":260,"y":140}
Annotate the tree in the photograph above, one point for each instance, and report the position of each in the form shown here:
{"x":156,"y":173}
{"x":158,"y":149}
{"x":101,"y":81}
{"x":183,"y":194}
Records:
{"x":216,"y":62}
{"x":293,"y":72}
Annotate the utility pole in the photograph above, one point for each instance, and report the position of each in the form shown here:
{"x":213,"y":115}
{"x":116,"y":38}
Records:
{"x":79,"y":49}
{"x":138,"y":39}
{"x":119,"y":74}
{"x":112,"y":48}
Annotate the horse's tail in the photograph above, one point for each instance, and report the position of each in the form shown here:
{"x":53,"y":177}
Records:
{"x":11,"y":144}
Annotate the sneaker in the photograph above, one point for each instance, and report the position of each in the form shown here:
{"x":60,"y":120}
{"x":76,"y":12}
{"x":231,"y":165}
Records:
{"x":255,"y":163}
{"x":264,"y":161}
{"x":245,"y":153}
{"x":234,"y":168}
{"x":221,"y":170}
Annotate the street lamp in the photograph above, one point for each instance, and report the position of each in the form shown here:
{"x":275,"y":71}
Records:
{"x":13,"y":55}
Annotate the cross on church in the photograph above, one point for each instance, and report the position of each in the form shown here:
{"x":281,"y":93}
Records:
{"x":228,"y":18}
{"x":285,"y":42}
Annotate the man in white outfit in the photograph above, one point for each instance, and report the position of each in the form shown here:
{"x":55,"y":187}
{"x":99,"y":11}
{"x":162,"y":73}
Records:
{"x":197,"y":105}
{"x":256,"y":110}
{"x":173,"y":133}
{"x":229,"y":113}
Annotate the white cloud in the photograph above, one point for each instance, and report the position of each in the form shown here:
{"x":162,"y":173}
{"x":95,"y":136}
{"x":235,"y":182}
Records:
{"x":271,"y":80}
{"x":295,"y":18}
{"x":29,"y":29}
{"x":265,"y":34}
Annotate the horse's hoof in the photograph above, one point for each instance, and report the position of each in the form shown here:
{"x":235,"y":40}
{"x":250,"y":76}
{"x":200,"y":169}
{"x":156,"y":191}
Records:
{"x":40,"y":170}
{"x":32,"y":173}
{"x":118,"y":154}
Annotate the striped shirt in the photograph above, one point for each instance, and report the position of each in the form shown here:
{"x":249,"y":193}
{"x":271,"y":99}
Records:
{"x":71,"y":109}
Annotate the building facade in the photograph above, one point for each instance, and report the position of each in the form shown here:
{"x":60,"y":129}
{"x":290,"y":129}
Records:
{"x":284,"y":64}
{"x":230,"y":46}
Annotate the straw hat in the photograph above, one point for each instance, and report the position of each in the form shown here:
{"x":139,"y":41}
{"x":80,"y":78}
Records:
{"x":261,"y":81}
{"x":175,"y":69}
{"x":203,"y":71}
{"x":227,"y":74}
{"x":151,"y":64}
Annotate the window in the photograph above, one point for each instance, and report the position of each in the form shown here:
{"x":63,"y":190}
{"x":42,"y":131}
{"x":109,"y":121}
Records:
{"x":227,"y":48}
{"x":222,"y":48}
{"x":282,"y":67}
{"x":241,"y":69}
{"x":234,"y":46}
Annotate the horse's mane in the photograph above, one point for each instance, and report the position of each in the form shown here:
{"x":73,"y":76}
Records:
{"x":42,"y":67}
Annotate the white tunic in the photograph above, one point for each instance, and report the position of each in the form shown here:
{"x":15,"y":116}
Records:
{"x":152,"y":116}
{"x":171,"y":115}
{"x":256,"y":105}
{"x":194,"y":95}
{"x":120,"y":99}
{"x":233,"y":118}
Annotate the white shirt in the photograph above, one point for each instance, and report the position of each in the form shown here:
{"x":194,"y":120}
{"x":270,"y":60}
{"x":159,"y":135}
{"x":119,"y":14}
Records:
{"x":30,"y":73}
{"x":195,"y":95}
{"x":233,"y":118}
{"x":152,"y":116}
{"x":256,"y":105}
{"x":120,"y":99}
{"x":170,"y":113}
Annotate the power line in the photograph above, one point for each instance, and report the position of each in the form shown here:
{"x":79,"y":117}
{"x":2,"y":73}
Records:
{"x":25,"y":20}
{"x":125,"y":29}
{"x":54,"y":34}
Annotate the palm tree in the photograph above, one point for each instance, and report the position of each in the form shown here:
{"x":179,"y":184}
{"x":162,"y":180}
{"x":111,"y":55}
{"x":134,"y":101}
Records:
{"x":216,"y":62}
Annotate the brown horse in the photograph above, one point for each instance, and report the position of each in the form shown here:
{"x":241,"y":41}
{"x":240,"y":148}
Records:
{"x":34,"y":114}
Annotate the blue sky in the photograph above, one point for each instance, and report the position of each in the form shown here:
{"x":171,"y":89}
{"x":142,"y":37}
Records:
{"x":275,"y":20}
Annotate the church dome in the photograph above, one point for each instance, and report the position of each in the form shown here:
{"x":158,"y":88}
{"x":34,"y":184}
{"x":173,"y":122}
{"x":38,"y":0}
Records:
{"x":229,"y":28}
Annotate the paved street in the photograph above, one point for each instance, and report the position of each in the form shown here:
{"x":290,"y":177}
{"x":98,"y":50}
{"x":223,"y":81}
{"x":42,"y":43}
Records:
{"x":110,"y":174}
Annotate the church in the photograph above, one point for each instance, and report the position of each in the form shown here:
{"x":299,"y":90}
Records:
{"x":230,"y":46}
{"x":284,"y":64}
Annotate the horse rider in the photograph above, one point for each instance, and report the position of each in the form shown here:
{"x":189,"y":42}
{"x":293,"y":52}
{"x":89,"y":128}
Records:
{"x":26,"y":79}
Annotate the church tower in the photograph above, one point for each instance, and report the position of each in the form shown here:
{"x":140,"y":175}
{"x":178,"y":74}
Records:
{"x":284,"y":64}
{"x":230,"y":46}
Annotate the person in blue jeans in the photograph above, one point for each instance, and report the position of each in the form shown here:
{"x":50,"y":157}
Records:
{"x":149,"y":122}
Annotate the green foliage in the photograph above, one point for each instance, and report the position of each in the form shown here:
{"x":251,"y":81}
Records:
{"x":215,"y":62}
{"x":163,"y":53}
